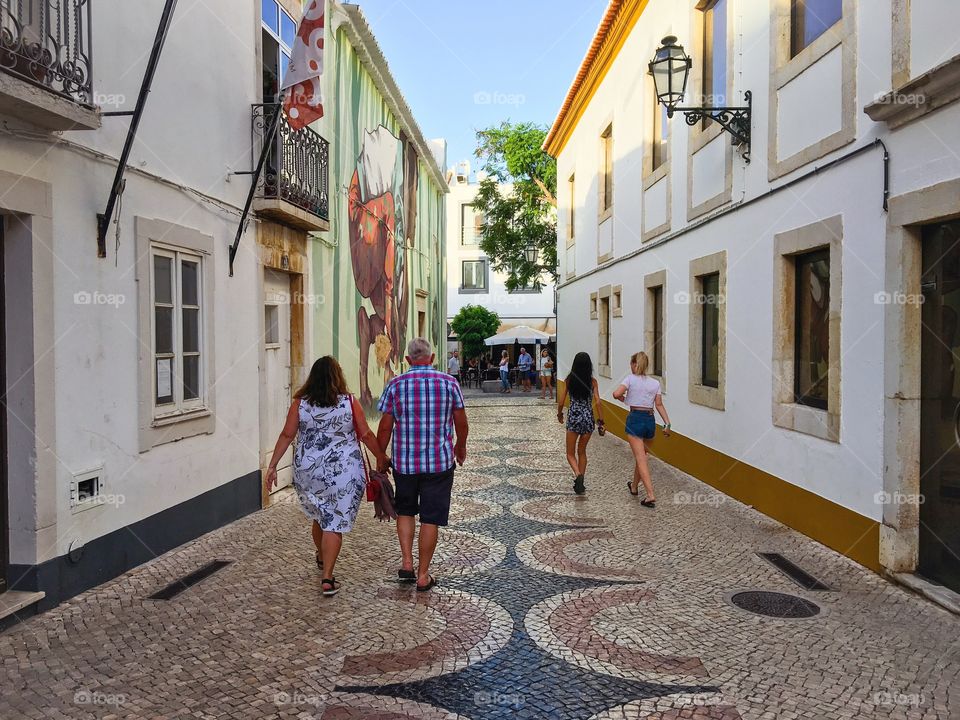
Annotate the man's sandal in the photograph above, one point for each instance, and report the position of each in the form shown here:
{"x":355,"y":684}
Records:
{"x":406,"y":576}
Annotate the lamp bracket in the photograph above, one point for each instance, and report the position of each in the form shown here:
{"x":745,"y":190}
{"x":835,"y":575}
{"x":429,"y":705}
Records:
{"x":735,"y":120}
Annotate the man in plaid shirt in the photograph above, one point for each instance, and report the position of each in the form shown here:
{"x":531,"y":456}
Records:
{"x":420,"y":410}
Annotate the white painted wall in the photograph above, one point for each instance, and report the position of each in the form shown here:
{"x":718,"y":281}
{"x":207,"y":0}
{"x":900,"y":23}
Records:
{"x":196,"y":129}
{"x":849,"y":472}
{"x":509,"y":306}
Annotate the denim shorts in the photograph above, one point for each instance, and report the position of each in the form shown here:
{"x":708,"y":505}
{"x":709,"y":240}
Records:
{"x":641,"y":424}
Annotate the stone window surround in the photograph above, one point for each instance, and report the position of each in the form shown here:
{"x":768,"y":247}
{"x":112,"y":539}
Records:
{"x":698,"y":393}
{"x":152,"y":233}
{"x":606,"y":292}
{"x":938,"y":86}
{"x":899,"y":530}
{"x":785,"y":69}
{"x":787,"y":413}
{"x":699,"y":136}
{"x":652,"y":281}
{"x":652,"y":176}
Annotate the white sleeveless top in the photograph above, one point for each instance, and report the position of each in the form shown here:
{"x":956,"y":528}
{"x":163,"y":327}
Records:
{"x":642,"y":390}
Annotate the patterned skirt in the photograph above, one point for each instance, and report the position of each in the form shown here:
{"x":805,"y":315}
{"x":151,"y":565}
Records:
{"x":580,"y":417}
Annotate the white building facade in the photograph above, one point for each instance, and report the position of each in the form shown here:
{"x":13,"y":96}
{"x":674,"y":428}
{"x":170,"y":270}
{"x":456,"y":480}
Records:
{"x":471,"y":279}
{"x":145,"y":383}
{"x":799,"y":309}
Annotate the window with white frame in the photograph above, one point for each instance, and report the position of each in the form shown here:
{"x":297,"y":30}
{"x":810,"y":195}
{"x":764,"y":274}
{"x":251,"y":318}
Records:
{"x":474,"y":275}
{"x":278,"y":31}
{"x":176,"y":277}
{"x":471,"y":225}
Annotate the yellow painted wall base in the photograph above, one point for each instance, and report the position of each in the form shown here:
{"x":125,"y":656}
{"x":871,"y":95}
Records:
{"x":837,"y":527}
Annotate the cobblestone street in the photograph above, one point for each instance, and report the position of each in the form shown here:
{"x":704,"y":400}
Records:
{"x":548,"y":605}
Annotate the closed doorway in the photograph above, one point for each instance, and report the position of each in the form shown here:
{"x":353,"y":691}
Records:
{"x":940,"y":406}
{"x":276,"y":375}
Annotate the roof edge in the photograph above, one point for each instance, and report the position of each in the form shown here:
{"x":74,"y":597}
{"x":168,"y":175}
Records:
{"x":613,"y":31}
{"x":351,"y":18}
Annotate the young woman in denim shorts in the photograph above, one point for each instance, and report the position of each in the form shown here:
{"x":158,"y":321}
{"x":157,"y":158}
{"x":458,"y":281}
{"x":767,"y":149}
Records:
{"x":641,"y":393}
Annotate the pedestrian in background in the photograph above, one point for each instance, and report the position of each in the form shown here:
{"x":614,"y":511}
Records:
{"x":453,"y":365}
{"x":328,"y":469}
{"x":582,"y":388}
{"x":546,"y":374}
{"x":641,"y":393}
{"x":504,"y":372}
{"x":420,"y":410}
{"x":524,"y":363}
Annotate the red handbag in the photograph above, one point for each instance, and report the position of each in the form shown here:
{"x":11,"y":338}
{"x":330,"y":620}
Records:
{"x":379,"y":489}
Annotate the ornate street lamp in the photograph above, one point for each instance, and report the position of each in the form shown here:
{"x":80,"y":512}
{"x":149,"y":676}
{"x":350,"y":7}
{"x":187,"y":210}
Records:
{"x":670,"y":68}
{"x":531,"y":253}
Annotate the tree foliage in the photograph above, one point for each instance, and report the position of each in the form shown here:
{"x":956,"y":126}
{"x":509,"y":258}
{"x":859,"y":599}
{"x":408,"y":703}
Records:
{"x":474,"y":324}
{"x":526,"y":215}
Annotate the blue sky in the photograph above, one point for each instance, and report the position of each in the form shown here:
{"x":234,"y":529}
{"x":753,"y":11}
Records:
{"x":466,"y":64}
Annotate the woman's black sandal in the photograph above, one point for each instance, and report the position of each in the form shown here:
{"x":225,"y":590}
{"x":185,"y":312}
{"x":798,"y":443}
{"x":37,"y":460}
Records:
{"x":319,"y":561}
{"x":330,"y":587}
{"x":632,"y":491}
{"x":648,"y":503}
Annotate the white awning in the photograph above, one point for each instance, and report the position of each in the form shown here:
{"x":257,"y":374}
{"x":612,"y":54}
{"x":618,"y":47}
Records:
{"x":520,"y":334}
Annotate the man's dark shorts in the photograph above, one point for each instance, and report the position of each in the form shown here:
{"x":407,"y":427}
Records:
{"x":424,"y":494}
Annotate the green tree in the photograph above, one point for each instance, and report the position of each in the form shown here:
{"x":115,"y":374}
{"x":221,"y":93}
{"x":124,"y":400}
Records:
{"x":474,"y":324}
{"x":524,"y":217}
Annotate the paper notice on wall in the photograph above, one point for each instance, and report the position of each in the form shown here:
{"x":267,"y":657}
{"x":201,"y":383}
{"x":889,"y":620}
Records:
{"x":164,"y":377}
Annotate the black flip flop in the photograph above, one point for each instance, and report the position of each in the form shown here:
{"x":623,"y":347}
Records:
{"x":406,"y":576}
{"x":648,"y":503}
{"x":429,"y":586}
{"x":631,"y":491}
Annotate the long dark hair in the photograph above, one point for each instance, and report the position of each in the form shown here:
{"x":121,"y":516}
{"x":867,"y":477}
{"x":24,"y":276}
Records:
{"x":325,"y":384}
{"x":580,"y":380}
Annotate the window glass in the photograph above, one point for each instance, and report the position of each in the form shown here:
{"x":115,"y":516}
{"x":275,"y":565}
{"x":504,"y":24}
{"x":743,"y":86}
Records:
{"x":162,"y":279}
{"x":271,"y":12}
{"x":191,"y":377}
{"x":271,"y":68}
{"x":607,"y":169}
{"x":189,"y":289}
{"x":471,"y":223}
{"x":604,"y":331}
{"x":288,"y":29}
{"x":812,"y":361}
{"x":715,"y":55}
{"x":710,"y":348}
{"x":572,"y":217}
{"x":657,"y":297}
{"x":474,"y":274}
{"x":659,"y":149}
{"x":271,"y":324}
{"x":809,"y":19}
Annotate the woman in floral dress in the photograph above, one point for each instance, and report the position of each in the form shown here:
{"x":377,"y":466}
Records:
{"x":582,"y":388}
{"x":329,"y":474}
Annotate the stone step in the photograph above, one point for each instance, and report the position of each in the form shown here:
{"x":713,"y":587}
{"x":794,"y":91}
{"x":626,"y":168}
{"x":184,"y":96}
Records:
{"x":14,"y":601}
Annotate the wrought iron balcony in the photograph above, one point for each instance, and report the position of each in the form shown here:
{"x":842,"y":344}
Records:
{"x":294,"y":188}
{"x":47,"y":44}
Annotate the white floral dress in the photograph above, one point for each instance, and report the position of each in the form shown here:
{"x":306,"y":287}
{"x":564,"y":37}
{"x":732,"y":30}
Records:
{"x":328,"y":472}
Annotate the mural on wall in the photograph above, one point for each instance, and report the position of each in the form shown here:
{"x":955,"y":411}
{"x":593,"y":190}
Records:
{"x":382,"y":211}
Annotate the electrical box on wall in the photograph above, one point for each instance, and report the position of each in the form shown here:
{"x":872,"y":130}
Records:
{"x":87,"y":490}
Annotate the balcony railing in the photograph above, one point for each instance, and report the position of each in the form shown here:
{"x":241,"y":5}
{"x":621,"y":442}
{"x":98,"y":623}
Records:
{"x":47,"y":43}
{"x":297,"y":166}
